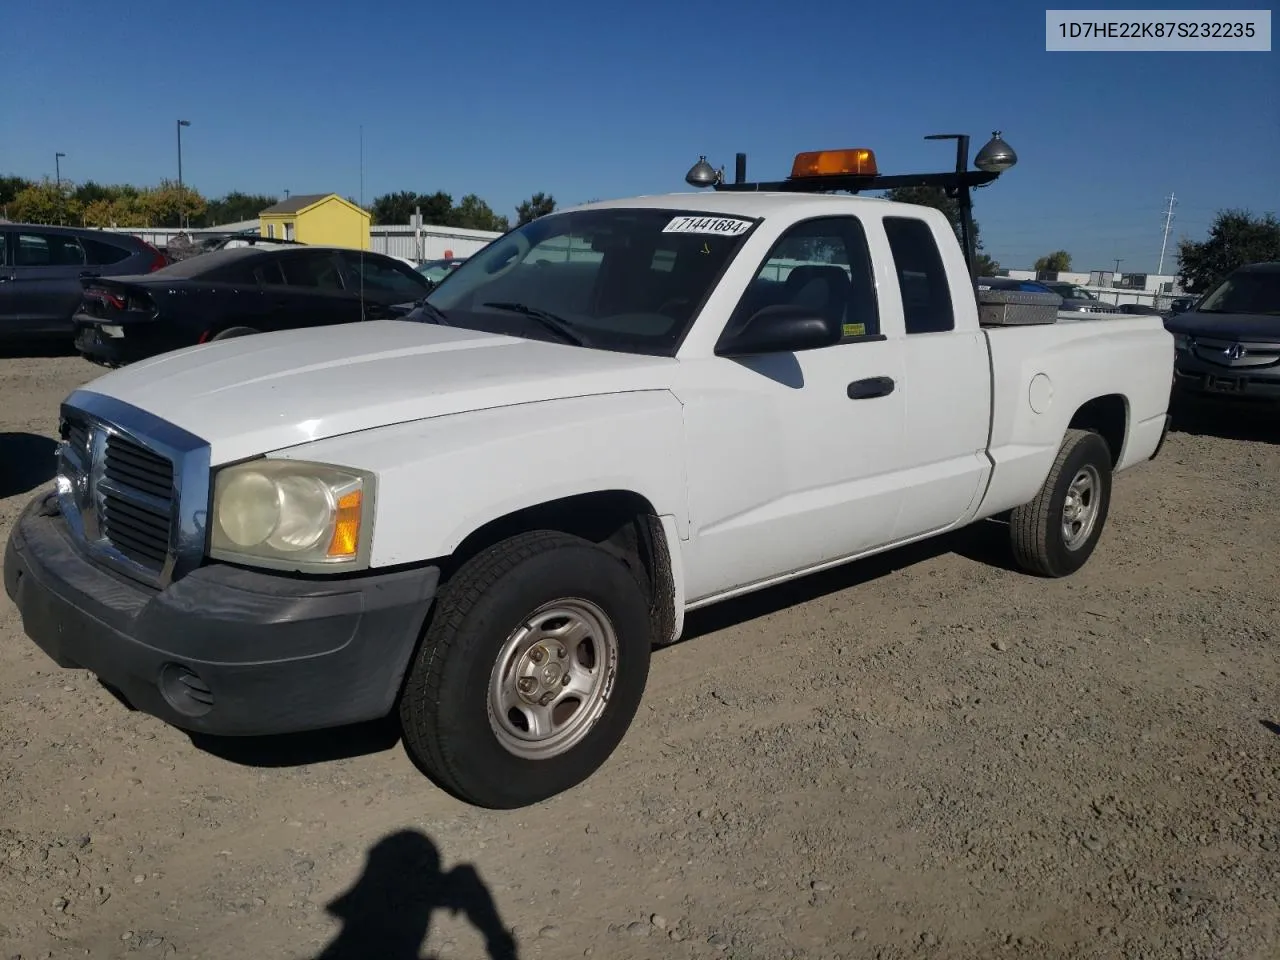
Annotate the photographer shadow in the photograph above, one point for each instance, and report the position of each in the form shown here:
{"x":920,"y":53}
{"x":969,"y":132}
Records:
{"x":387,"y":913}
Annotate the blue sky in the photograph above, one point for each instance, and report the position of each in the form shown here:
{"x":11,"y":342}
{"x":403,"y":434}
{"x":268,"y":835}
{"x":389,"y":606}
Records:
{"x":595,"y":100}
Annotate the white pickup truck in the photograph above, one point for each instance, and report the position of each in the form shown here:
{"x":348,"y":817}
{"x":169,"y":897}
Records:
{"x":482,"y":518}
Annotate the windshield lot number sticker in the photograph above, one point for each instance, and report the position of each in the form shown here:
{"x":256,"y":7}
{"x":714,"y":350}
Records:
{"x":719,"y":226}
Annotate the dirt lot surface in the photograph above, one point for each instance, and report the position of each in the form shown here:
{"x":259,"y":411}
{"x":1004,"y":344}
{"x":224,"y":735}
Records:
{"x":924,"y":755}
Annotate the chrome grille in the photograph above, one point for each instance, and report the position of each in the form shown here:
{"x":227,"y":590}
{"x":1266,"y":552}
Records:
{"x":133,"y":488}
{"x":1235,"y":353}
{"x":136,"y":501}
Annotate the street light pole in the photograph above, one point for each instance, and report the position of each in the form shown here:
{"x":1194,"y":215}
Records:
{"x":182,"y":206}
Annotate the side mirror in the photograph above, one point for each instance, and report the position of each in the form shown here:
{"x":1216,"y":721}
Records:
{"x":781,"y":329}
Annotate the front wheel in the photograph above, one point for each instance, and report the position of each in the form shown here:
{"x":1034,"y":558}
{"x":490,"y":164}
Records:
{"x":530,"y":673}
{"x":1056,"y":533}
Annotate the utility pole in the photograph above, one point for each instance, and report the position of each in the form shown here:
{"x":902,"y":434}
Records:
{"x":182,"y":205}
{"x":1168,"y":222}
{"x":57,"y":172}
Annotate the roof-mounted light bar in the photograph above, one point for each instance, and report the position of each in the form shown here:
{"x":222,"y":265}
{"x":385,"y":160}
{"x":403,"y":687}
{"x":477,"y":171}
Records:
{"x":855,"y":170}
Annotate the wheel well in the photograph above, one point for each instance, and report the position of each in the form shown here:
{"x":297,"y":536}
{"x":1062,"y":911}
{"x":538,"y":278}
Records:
{"x":1108,"y":417}
{"x":619,"y":521}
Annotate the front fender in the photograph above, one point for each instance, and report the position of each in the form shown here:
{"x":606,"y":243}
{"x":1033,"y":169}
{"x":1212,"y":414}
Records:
{"x":442,"y":478}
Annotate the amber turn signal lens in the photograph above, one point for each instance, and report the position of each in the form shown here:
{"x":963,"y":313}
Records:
{"x":826,"y":163}
{"x":346,"y":529}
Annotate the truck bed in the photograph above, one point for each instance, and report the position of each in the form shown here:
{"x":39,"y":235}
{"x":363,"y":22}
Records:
{"x":1042,"y":374}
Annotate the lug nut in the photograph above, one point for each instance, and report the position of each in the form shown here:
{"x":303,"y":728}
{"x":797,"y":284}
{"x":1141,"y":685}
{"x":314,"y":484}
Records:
{"x":564,"y":681}
{"x":527,"y":684}
{"x":560,"y":652}
{"x":536,"y":654}
{"x":546,"y":699}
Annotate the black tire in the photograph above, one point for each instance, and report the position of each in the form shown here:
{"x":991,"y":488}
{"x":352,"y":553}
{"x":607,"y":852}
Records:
{"x":1040,"y":544}
{"x":230,"y":332}
{"x":444,"y":707}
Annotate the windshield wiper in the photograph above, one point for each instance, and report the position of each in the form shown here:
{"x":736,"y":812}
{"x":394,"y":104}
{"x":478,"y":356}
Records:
{"x":553,"y":323}
{"x":436,"y":313}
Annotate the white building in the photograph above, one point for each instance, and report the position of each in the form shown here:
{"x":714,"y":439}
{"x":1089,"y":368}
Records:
{"x":1147,"y":288}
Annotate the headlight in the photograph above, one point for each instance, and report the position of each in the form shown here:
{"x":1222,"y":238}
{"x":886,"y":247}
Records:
{"x":1181,"y":341}
{"x":292,"y":515}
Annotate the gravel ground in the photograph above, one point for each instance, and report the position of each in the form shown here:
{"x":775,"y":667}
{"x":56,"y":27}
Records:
{"x":922,"y":755}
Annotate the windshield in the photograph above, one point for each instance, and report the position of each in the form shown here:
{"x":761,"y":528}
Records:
{"x":623,"y":278}
{"x":437,"y":270}
{"x":1069,"y":291}
{"x":1246,"y":291}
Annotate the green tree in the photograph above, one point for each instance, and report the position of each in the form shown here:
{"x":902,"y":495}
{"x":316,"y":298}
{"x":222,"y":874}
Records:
{"x":126,"y":210}
{"x":1236,"y":238}
{"x":397,"y":208}
{"x":233,"y":208}
{"x":44,"y":202}
{"x":1057,"y":262}
{"x":474,"y":214}
{"x":10,"y":187}
{"x":165,"y":204}
{"x":937,"y":198}
{"x":987,"y":267}
{"x":539,"y":205}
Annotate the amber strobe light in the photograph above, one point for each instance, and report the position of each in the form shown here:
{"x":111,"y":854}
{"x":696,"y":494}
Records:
{"x":346,"y":529}
{"x":826,"y":163}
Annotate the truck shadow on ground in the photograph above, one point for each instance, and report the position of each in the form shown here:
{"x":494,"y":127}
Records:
{"x":986,"y":543}
{"x":27,"y":461}
{"x":1254,"y":422}
{"x":1272,"y":726}
{"x":387,"y":913}
{"x":27,"y":349}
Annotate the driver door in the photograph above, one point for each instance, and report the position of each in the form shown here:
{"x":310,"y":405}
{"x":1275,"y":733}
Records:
{"x":794,"y":459}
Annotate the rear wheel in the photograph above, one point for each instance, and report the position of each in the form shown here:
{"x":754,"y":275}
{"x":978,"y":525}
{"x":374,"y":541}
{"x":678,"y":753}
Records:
{"x":1055,"y":534}
{"x":531,"y":671}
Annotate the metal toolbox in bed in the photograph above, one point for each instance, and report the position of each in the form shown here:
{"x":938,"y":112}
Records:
{"x":1006,"y":308}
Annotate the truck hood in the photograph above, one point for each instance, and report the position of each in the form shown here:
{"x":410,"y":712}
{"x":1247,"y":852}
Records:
{"x":252,"y":395}
{"x":1248,"y":327}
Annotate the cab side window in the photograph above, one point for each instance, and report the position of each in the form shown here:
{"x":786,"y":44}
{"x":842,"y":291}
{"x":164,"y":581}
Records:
{"x":922,"y":278}
{"x":822,"y":264}
{"x":48,"y":250}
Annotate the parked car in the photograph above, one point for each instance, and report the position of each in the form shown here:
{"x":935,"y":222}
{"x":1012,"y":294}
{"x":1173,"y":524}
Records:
{"x":1144,"y":309}
{"x":1229,"y":344}
{"x":482,"y":517}
{"x":1012,"y":283}
{"x":1077,"y":299}
{"x":186,"y":245}
{"x":233,"y":292}
{"x":1178,"y":305}
{"x":42,"y":267}
{"x":437,"y":270}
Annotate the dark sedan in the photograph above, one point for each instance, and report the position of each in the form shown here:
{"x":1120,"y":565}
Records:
{"x":1229,"y":344}
{"x":42,"y":268}
{"x":234,"y":292}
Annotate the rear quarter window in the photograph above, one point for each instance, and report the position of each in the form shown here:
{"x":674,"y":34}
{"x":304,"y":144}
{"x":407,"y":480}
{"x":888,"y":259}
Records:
{"x":922,"y":278}
{"x":103,"y":253}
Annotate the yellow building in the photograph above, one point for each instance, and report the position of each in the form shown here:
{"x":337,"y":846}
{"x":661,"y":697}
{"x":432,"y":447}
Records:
{"x":319,"y":218}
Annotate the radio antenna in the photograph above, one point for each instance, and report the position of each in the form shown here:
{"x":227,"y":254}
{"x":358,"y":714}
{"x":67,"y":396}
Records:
{"x":361,"y":195}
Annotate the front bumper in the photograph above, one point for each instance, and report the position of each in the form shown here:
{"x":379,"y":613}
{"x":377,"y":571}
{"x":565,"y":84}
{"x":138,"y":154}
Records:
{"x":1193,"y":375}
{"x":224,"y":650}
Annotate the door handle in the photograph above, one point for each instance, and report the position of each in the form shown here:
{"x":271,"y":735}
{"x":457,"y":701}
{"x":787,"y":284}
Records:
{"x":870,"y":387}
